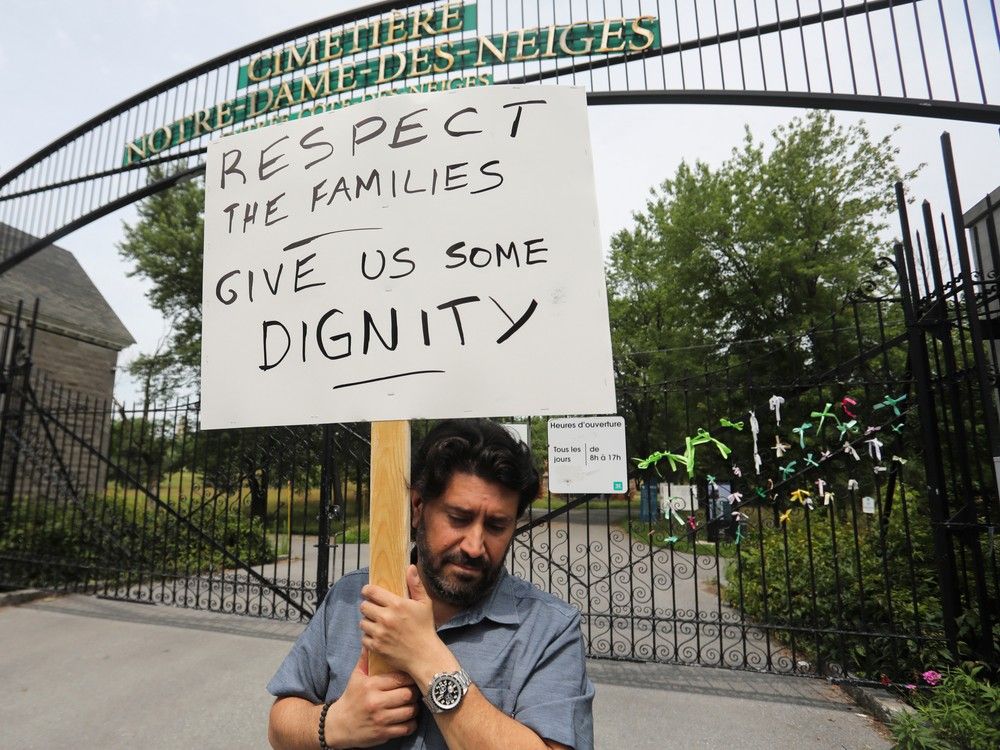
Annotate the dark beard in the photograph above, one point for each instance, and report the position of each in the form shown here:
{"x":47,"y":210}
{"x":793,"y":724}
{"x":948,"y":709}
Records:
{"x":457,"y":592}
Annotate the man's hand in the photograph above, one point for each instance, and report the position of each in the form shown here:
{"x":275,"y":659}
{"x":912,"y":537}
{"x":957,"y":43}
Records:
{"x":402,"y":630}
{"x":373,"y":709}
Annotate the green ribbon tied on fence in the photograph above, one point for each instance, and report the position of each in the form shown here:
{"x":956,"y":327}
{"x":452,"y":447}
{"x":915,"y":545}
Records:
{"x":801,"y":430}
{"x":655,"y":458}
{"x":739,"y":534}
{"x":810,"y":461}
{"x":889,"y":401}
{"x":735,"y":425}
{"x":822,"y":415}
{"x":701,"y":438}
{"x":846,"y":427}
{"x":787,"y":470}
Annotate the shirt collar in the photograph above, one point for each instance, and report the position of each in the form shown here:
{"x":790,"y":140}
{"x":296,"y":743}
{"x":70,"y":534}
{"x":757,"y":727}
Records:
{"x":498,"y":606}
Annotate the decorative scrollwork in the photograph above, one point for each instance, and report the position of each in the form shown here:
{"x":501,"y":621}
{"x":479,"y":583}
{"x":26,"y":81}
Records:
{"x":875,"y":287}
{"x":643,"y":602}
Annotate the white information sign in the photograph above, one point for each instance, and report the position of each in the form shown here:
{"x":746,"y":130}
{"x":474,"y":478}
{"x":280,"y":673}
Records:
{"x":428,"y":255}
{"x":587,"y":454}
{"x":867,"y":504}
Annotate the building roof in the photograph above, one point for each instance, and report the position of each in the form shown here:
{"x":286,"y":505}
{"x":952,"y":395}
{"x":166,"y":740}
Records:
{"x":70,"y":303}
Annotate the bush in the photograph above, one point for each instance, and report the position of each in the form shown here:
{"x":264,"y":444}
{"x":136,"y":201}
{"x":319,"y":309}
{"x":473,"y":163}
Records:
{"x":874,"y":603}
{"x":962,"y":713}
{"x":53,"y":544}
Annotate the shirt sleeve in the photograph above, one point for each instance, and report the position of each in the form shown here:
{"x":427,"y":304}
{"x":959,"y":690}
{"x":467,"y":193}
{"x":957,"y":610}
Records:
{"x":557,"y":701}
{"x":305,"y":673}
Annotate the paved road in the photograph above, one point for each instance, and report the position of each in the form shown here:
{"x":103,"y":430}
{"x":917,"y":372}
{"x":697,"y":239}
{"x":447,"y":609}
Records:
{"x":88,"y":673}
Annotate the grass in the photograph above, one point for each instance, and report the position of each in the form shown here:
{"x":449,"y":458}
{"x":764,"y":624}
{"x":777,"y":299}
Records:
{"x":187,"y":492}
{"x":554,"y":502}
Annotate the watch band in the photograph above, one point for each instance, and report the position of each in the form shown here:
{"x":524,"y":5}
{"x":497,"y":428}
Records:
{"x":463,"y":680}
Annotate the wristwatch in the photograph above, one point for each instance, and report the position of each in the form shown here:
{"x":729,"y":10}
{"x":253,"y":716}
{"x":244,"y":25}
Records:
{"x":447,"y":690}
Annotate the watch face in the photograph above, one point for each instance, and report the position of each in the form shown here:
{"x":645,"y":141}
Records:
{"x":446,"y":692}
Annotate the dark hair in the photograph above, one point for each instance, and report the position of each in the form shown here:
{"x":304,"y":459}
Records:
{"x":479,"y":447}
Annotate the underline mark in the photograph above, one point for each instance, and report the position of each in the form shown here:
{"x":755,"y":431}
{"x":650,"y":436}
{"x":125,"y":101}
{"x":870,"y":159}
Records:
{"x":387,"y":377}
{"x":307,"y":240}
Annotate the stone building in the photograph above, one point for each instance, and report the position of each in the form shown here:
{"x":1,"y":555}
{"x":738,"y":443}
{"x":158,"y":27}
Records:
{"x":78,"y":336}
{"x":77,"y":339}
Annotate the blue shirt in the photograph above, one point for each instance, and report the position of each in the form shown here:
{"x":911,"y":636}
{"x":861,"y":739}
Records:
{"x":522,"y":647}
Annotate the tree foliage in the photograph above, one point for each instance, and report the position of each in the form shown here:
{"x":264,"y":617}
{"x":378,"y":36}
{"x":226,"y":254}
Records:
{"x":749,"y":256}
{"x":166,"y":247}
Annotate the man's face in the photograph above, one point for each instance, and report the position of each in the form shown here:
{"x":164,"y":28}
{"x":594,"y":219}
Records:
{"x":462,"y":538}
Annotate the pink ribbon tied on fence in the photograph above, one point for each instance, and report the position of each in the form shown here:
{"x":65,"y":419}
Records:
{"x":843,"y":405}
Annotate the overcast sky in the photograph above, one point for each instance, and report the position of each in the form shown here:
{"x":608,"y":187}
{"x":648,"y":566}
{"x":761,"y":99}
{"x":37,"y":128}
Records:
{"x":63,"y":61}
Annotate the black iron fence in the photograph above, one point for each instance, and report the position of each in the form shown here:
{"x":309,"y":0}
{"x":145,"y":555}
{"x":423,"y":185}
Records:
{"x":854,"y":538}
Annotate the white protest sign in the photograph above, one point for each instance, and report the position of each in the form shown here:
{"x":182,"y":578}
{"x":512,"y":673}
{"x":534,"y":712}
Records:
{"x":428,"y":255}
{"x":587,"y":454}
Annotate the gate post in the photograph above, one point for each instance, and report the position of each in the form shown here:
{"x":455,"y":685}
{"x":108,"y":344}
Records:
{"x":931,"y":443}
{"x":970,"y":537}
{"x":326,"y":482}
{"x":16,"y":364}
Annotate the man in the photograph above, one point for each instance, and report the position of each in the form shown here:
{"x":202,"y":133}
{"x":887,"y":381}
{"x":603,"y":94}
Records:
{"x":482,"y":659}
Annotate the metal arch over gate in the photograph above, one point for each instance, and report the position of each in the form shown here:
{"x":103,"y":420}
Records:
{"x":910,"y":57}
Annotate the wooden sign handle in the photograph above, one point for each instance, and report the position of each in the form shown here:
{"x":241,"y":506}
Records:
{"x":389,"y":519}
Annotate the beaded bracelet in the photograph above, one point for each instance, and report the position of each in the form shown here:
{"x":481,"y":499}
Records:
{"x":322,"y":726}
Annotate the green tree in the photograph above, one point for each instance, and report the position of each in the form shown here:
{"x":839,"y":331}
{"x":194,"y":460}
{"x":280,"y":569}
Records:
{"x":750,"y":256}
{"x":165,"y":245}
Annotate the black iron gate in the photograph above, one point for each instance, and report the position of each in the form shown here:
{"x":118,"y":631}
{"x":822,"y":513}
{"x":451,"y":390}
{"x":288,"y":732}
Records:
{"x":861,"y":544}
